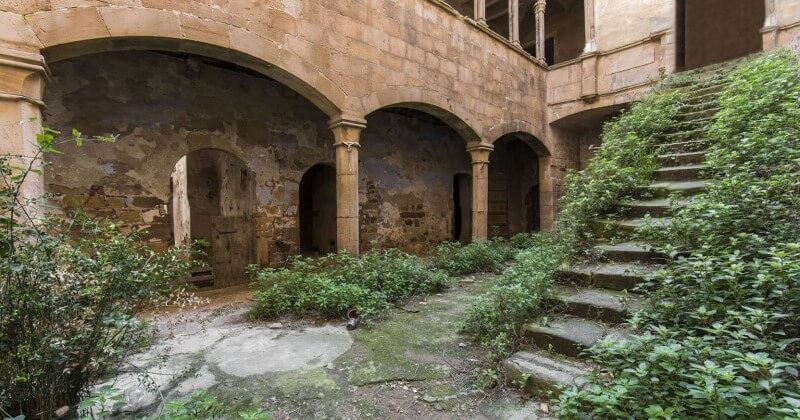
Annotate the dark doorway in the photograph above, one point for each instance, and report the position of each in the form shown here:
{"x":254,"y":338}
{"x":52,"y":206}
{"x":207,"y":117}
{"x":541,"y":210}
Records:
{"x":211,"y":205}
{"x":462,"y":208}
{"x":318,"y":210}
{"x":714,"y":31}
{"x":514,"y":205}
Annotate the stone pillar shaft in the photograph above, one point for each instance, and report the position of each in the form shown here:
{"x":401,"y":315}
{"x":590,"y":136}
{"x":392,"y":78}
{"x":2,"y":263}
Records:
{"x":513,"y":22}
{"x":480,"y":189}
{"x":347,"y":133}
{"x":480,"y":11}
{"x":591,"y":42}
{"x":538,"y":14}
{"x":22,"y":79}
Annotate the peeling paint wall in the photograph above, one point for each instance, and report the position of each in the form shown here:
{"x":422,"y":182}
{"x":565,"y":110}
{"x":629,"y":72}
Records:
{"x":165,"y":106}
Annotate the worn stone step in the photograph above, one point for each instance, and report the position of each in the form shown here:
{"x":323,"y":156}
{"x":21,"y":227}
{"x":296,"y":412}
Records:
{"x":678,"y":159}
{"x":691,"y":125}
{"x":610,"y":306}
{"x":702,"y":89}
{"x":683,"y":188}
{"x":567,"y":336}
{"x":683,"y":146}
{"x":699,"y":99}
{"x":608,"y":275}
{"x":660,"y":207}
{"x":699,"y":106}
{"x":680,"y":173}
{"x":708,"y":113}
{"x":628,"y":252}
{"x":624,"y":228}
{"x":542,"y":374}
{"x":686,"y":135}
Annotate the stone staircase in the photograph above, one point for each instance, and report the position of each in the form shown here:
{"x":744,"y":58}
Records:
{"x":595,"y":297}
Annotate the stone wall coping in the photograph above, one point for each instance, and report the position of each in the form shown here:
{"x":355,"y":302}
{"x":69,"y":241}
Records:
{"x":653,"y":37}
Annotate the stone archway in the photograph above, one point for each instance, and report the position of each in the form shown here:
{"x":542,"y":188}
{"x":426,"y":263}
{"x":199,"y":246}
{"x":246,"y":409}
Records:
{"x":212,"y":201}
{"x":517,"y":187}
{"x":317,"y":210}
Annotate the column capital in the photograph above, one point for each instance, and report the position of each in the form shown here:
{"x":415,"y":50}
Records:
{"x":480,"y":152}
{"x":539,"y":6}
{"x":344,"y":120}
{"x":347,"y":130}
{"x":22,"y":76}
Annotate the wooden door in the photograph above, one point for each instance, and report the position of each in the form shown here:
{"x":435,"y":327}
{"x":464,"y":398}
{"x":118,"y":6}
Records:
{"x":231,"y":249}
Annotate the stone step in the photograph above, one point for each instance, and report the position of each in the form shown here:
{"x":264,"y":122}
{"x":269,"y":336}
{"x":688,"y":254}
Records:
{"x":682,"y":188}
{"x":660,"y":207}
{"x":567,"y":336}
{"x":691,"y":125}
{"x":683,"y":146}
{"x":542,"y":374}
{"x":609,"y":275}
{"x":628,"y":252}
{"x":702,"y":89}
{"x":677,"y":159}
{"x":605,"y":305}
{"x":699,"y":114}
{"x":699,"y":106}
{"x":699,"y":99}
{"x":624,"y":228}
{"x":685,"y":135}
{"x":680,"y":173}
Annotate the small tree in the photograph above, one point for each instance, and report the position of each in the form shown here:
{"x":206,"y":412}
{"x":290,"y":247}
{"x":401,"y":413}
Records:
{"x":69,"y":288}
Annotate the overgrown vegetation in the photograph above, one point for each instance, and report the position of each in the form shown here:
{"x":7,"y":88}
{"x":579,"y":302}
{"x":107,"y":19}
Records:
{"x":479,"y":256}
{"x":625,"y":160}
{"x":69,"y":292}
{"x":719,"y":335}
{"x":333,"y":284}
{"x":498,"y":316}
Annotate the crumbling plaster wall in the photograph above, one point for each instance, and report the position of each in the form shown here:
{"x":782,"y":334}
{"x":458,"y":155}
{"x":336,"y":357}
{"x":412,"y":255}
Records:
{"x":406,"y":185}
{"x":163,"y":107}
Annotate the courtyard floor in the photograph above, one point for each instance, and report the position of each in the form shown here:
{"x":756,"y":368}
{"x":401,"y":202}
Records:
{"x":413,"y":364}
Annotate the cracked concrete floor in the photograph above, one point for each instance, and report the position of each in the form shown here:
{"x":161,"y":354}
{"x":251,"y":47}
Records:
{"x":413,"y":364}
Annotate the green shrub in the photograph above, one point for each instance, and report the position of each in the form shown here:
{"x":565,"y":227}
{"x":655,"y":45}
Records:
{"x":69,"y":292}
{"x":333,"y":284}
{"x":625,"y":160}
{"x":518,"y":295}
{"x":479,"y":256}
{"x":719,"y":335}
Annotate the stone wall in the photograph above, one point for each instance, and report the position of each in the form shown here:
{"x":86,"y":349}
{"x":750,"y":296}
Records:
{"x":165,"y":106}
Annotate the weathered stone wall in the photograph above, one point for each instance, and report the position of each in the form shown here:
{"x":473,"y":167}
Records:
{"x":406,"y":185}
{"x":163,"y":107}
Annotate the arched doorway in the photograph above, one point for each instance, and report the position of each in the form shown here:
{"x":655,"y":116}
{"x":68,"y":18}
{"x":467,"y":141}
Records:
{"x":514,"y":205}
{"x":318,"y":209}
{"x":462,"y":208}
{"x":714,"y":31}
{"x":211,"y":204}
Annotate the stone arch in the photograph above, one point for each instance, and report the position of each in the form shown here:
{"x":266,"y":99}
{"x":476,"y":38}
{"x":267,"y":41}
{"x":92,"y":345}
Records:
{"x":518,"y":187}
{"x":527,"y":132}
{"x":118,"y":28}
{"x":430,"y":102}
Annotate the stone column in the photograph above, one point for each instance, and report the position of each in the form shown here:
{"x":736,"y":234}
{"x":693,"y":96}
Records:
{"x":769,"y":33}
{"x":480,"y":189}
{"x":347,"y":132}
{"x":480,"y":11}
{"x":513,"y":22}
{"x":538,"y":14}
{"x":591,"y":41}
{"x":22,"y":80}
